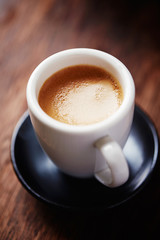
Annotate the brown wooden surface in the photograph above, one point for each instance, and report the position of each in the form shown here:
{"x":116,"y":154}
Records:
{"x":31,"y":30}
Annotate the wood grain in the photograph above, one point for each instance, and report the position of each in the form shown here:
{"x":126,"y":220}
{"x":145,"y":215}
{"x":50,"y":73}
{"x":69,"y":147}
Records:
{"x":31,"y":31}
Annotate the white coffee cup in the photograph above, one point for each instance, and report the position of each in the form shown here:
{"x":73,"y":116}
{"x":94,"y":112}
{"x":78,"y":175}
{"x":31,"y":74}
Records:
{"x":84,"y":151}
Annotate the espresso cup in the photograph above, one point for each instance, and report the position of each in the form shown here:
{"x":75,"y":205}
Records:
{"x":85,"y":150}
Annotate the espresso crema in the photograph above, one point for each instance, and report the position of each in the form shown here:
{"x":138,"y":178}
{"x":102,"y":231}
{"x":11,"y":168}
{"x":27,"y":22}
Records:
{"x":80,"y":95}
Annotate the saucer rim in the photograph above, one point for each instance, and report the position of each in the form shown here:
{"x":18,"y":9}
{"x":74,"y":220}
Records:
{"x":38,"y":196}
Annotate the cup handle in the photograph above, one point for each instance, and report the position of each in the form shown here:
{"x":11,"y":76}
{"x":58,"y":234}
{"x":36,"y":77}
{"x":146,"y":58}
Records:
{"x":111,"y":167}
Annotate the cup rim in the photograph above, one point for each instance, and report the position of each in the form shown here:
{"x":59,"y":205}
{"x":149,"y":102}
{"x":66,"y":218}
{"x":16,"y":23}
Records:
{"x":126,"y":105}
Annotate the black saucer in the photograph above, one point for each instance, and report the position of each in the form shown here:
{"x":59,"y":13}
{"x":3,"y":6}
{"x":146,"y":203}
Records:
{"x":44,"y":181}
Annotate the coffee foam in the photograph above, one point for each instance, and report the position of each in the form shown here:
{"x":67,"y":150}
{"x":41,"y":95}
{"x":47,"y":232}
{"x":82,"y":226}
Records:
{"x":80,"y":95}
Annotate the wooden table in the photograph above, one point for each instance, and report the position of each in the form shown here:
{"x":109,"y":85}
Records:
{"x":31,"y":30}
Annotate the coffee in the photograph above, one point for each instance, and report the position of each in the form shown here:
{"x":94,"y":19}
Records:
{"x":80,"y":95}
